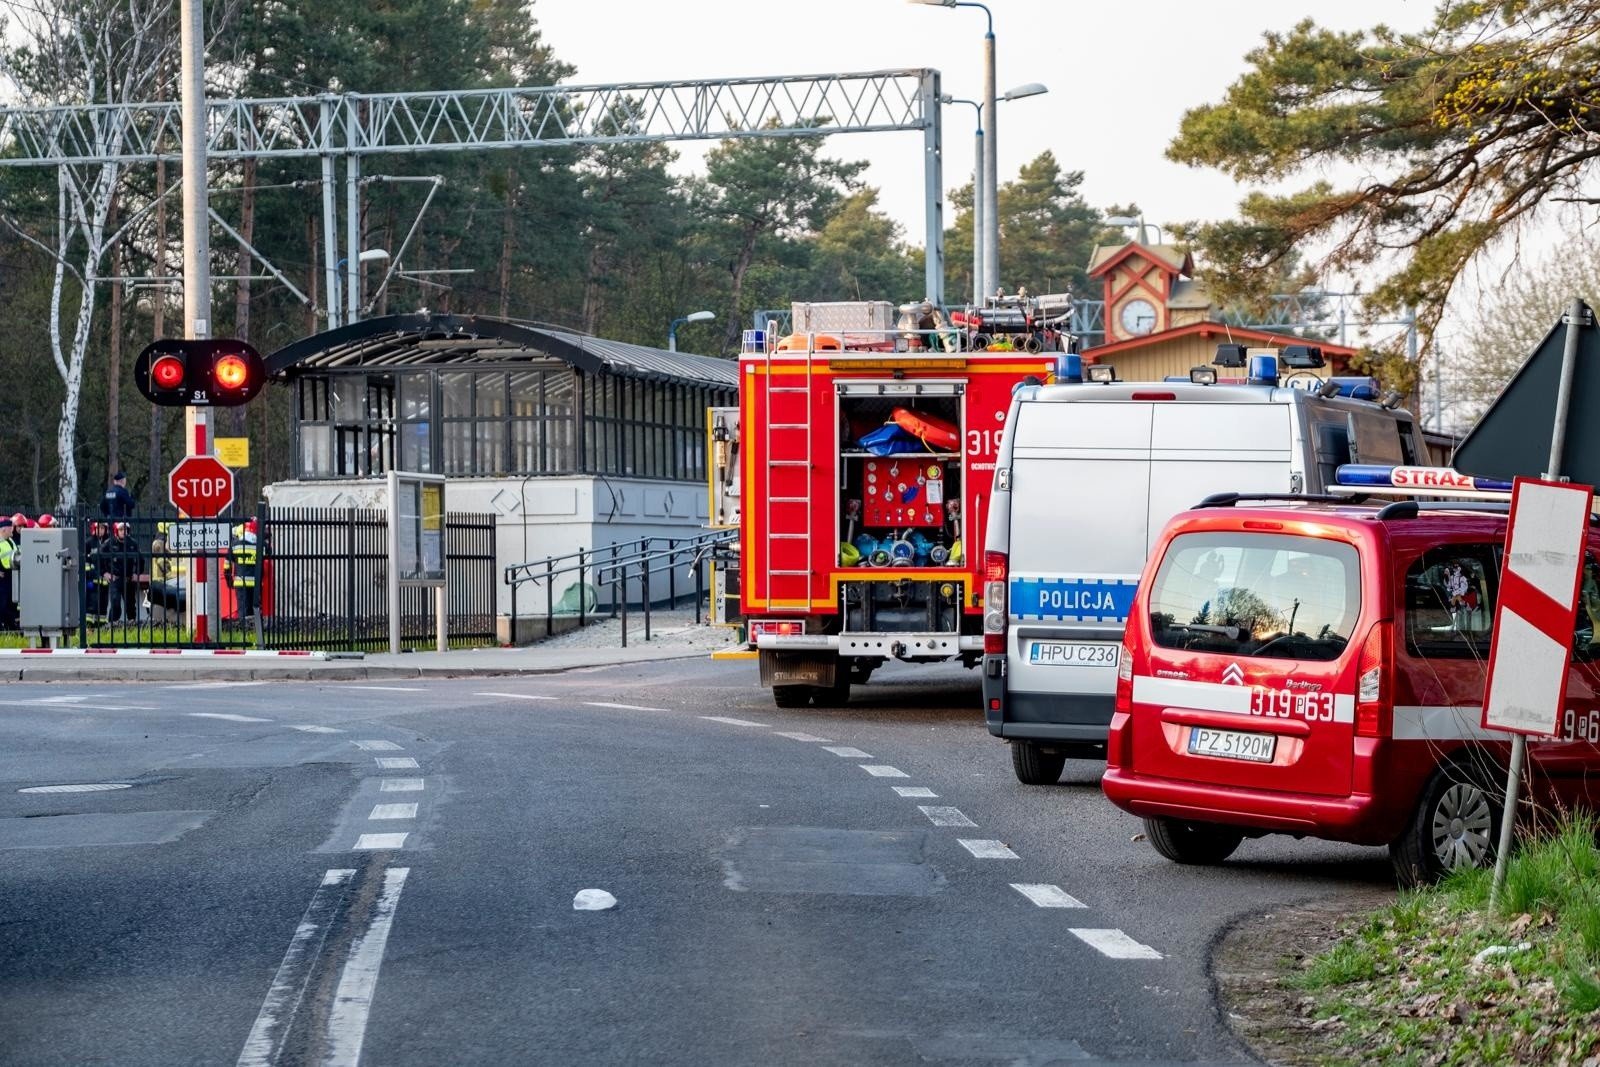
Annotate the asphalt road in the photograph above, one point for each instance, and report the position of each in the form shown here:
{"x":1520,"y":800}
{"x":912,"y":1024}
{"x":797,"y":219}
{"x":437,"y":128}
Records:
{"x":385,"y":874}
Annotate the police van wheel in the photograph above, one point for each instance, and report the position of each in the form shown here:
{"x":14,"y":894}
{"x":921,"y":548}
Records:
{"x":1034,"y":766}
{"x":1197,"y":843}
{"x":1456,"y":825}
{"x":791,"y":696}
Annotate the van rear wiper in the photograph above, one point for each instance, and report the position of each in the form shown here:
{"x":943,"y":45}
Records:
{"x":1232,"y":633}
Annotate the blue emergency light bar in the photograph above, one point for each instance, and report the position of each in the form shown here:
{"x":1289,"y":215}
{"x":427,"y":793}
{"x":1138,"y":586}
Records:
{"x":1423,"y":481}
{"x":1069,"y":368}
{"x":1356,"y":388}
{"x":1263,"y":370}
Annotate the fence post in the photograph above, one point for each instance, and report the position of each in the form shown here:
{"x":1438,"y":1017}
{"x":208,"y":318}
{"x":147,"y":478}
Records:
{"x":699,"y":584}
{"x":672,"y":576}
{"x":583,"y":592}
{"x":350,"y":577}
{"x":262,"y":557}
{"x":624,"y":573}
{"x":550,"y":595}
{"x":83,"y":583}
{"x":644,"y":592}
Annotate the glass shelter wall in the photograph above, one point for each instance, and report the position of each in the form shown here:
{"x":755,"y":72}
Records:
{"x":500,"y":421}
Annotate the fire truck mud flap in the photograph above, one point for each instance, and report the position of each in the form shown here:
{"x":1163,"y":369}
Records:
{"x":798,"y":668}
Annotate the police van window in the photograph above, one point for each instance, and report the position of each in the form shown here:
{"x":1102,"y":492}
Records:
{"x":1450,"y":601}
{"x":1408,"y":446}
{"x":1586,"y":636}
{"x":1333,"y":448}
{"x":1272,"y":596}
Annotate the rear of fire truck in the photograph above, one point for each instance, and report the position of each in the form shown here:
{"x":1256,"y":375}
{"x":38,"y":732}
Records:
{"x":867,"y":447}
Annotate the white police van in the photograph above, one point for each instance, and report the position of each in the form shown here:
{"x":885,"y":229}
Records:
{"x":1087,"y":475}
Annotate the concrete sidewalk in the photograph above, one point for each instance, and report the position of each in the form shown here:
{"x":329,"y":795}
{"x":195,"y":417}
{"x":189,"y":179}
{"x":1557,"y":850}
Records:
{"x":595,"y":646}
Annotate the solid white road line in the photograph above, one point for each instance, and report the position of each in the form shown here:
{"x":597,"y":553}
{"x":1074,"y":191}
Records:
{"x":224,"y":716}
{"x":1116,"y":944}
{"x":1048,"y":896}
{"x":265,"y":1042}
{"x":316,"y":729}
{"x":732,"y":722}
{"x":796,"y":736}
{"x":620,"y":707}
{"x":352,"y":1001}
{"x":883,"y":770}
{"x":515,"y":696}
{"x":378,"y":842}
{"x":945,"y":816}
{"x":987,"y":850}
{"x":213,"y":685}
{"x":401,"y":785}
{"x":387,"y":688}
{"x":376,"y":746}
{"x":393,"y":811}
{"x":397,"y":763}
{"x":915,"y":791}
{"x":848,"y":753}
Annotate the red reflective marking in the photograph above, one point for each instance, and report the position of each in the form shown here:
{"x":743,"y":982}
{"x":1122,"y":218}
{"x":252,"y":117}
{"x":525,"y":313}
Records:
{"x":1538,"y":608}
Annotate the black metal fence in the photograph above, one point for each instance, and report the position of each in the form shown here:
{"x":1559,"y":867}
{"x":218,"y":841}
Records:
{"x":301,"y":578}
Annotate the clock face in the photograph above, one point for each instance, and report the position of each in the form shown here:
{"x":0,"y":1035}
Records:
{"x":1138,"y":317}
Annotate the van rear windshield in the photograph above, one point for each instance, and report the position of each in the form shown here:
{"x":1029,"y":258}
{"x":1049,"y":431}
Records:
{"x":1274,"y":596}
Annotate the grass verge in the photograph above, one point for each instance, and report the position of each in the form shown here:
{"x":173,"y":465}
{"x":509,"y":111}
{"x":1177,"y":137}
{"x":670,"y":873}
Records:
{"x":1437,"y":978}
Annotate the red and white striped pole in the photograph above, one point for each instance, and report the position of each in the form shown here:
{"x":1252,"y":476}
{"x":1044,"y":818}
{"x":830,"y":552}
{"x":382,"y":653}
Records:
{"x":196,"y":251}
{"x":200,"y":444}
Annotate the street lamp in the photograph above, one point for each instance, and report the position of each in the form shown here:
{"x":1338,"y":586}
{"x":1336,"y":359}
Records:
{"x":984,"y":200}
{"x":370,"y":255}
{"x":1128,"y":221}
{"x":693,"y":316}
{"x":991,"y":161}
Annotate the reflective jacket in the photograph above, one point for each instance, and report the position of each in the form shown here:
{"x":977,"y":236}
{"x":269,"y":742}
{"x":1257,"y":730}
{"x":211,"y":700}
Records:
{"x":244,"y":555}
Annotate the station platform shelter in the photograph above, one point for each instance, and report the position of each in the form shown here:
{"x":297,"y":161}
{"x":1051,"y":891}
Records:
{"x":570,"y":441}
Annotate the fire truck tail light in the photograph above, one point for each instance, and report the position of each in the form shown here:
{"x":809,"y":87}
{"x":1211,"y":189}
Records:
{"x":775,"y":628}
{"x":994,"y":603}
{"x":1374,"y":688}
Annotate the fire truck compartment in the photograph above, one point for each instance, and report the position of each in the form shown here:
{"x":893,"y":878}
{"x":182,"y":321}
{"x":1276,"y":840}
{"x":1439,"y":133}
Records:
{"x":900,"y":508}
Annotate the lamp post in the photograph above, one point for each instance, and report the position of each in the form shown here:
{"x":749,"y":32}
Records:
{"x":1127,"y":221}
{"x":693,"y":316}
{"x":985,"y":202}
{"x":371,"y":255}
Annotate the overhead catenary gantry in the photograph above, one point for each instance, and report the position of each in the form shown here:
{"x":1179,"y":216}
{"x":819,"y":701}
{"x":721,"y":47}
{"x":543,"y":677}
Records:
{"x":355,"y":125}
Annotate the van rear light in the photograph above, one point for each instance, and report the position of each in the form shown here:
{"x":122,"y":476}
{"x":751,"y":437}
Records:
{"x":1154,"y":396}
{"x":1374,"y":683}
{"x":1125,"y":679}
{"x":994,"y":603}
{"x":775,"y":628}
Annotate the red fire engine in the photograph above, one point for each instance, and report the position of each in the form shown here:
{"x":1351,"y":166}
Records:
{"x":866,"y":459}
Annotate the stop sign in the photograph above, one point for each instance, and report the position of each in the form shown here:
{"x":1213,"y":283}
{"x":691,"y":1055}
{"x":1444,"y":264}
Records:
{"x":200,"y":486}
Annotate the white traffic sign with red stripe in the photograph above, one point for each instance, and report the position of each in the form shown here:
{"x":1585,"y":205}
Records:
{"x":1537,"y":606}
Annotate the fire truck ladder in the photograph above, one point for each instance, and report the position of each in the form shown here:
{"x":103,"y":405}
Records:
{"x":773,"y":426}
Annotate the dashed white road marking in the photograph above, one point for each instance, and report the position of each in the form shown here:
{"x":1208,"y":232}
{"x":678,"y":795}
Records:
{"x":1116,"y":944}
{"x":316,"y":729}
{"x":398,"y":763}
{"x":59,"y":700}
{"x":797,"y":736}
{"x":378,"y":842}
{"x":288,"y":987}
{"x":987,"y":850}
{"x":515,"y":696}
{"x":352,"y":1001}
{"x":401,"y":785}
{"x":88,"y":787}
{"x":883,"y":770}
{"x":99,"y":707}
{"x":393,"y":811}
{"x":620,"y":707}
{"x":376,"y":746}
{"x":225,"y":716}
{"x":848,"y":753}
{"x":732,"y":722}
{"x":387,"y":688}
{"x":945,"y":816}
{"x":1048,"y":896}
{"x":915,"y":791}
{"x":213,"y":685}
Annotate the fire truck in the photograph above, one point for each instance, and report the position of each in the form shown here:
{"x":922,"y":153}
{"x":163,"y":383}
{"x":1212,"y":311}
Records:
{"x":865,"y":453}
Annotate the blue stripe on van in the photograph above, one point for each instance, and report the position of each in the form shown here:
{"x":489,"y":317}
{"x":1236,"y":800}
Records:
{"x":1078,"y":599}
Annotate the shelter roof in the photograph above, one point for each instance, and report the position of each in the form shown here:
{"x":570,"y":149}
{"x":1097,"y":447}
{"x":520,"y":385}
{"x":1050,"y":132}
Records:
{"x":397,"y":342}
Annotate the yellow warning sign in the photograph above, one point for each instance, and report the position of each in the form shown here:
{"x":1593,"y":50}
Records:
{"x":233,"y":451}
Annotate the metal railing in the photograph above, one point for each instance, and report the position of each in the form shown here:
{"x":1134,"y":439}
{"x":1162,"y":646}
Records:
{"x":617,"y":565}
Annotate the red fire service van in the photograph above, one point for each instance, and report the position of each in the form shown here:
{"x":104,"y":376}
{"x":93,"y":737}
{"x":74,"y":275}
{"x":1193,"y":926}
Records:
{"x":1318,"y":669}
{"x":866,"y":464}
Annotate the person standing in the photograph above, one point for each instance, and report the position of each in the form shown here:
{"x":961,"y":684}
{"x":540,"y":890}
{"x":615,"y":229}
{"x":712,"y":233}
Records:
{"x":117,"y":503}
{"x":125,"y":566}
{"x":244,"y":562}
{"x":8,"y":571}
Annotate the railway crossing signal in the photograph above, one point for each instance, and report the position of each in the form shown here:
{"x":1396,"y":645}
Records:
{"x":219,"y":373}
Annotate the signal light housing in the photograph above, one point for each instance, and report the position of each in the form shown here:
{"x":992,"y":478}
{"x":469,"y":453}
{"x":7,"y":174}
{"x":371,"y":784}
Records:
{"x":218,"y":373}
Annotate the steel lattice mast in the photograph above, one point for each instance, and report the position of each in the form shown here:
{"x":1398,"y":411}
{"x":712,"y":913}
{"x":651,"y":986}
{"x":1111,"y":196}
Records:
{"x":353,"y":125}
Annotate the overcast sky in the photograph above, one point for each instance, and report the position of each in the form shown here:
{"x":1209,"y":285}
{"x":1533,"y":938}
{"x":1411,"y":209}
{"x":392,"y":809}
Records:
{"x":1121,"y":75}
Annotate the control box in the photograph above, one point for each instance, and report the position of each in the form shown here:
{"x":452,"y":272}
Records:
{"x":51,"y":578}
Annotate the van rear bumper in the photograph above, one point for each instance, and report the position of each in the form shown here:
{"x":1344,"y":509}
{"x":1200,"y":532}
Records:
{"x":1356,"y":818}
{"x":1046,"y":716}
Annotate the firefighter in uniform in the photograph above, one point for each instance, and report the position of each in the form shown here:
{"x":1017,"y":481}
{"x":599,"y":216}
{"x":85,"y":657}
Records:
{"x":8,"y":571}
{"x":123,"y":565}
{"x":244,"y":564}
{"x":95,"y":583}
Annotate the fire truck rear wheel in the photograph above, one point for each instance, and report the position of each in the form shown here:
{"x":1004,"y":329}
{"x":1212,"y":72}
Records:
{"x":1035,"y":766}
{"x":791,"y":696}
{"x":836,"y":695}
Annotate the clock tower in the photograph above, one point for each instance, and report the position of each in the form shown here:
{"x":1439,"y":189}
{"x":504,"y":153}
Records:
{"x":1140,"y":283}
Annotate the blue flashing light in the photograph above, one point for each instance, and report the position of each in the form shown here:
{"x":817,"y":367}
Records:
{"x":754,"y":341}
{"x":1421,"y":479}
{"x":1263,"y":370}
{"x":1069,"y":368}
{"x":1357,"y":388}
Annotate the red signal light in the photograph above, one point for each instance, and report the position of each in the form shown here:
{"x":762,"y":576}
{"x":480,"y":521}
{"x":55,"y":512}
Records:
{"x":167,"y":372}
{"x":231,"y":372}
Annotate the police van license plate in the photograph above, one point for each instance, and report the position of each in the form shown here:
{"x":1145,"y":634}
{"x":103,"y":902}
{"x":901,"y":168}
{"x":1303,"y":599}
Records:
{"x":1231,"y":744}
{"x":1073,"y":654}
